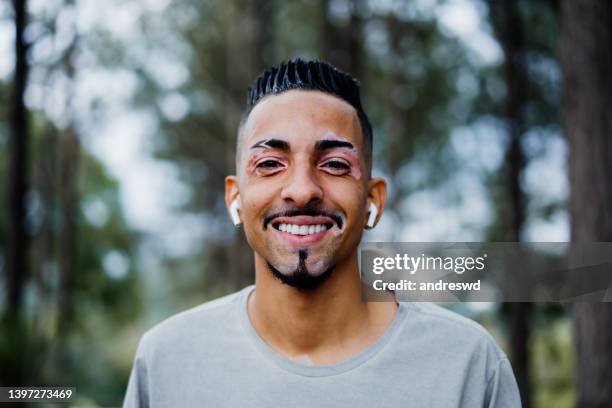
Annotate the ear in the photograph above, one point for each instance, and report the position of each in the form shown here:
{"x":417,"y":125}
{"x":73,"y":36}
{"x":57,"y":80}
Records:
{"x":232,"y":199}
{"x":377,"y":197}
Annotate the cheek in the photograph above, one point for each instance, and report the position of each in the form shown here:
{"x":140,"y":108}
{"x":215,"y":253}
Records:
{"x":350,"y":196}
{"x":252,"y":220}
{"x":254,"y":201}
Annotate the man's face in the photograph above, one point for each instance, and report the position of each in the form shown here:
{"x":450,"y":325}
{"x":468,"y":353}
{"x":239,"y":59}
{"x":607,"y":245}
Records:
{"x":303,"y":181}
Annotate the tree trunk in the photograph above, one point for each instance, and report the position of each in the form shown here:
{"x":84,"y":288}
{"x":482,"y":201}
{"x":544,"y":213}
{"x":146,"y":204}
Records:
{"x":14,"y":335}
{"x":68,"y":203}
{"x":44,"y":246}
{"x":18,"y":165}
{"x":586,"y":61}
{"x":68,"y":197}
{"x":341,"y":45}
{"x":509,"y":27}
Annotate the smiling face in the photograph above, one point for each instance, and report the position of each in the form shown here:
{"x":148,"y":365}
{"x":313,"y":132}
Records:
{"x":303,"y":181}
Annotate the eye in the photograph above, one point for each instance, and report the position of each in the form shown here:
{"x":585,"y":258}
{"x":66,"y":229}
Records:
{"x":336,"y":166}
{"x":268,"y":164}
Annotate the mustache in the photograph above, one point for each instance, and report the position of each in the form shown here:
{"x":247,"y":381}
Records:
{"x":312,"y":212}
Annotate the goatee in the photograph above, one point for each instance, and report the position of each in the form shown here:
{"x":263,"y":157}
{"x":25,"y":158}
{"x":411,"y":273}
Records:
{"x":301,"y":279}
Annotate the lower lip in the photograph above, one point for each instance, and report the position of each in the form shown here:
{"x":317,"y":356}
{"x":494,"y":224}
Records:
{"x":301,"y":240}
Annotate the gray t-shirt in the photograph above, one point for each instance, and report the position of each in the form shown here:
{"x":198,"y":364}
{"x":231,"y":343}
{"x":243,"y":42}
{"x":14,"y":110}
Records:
{"x":211,"y":356}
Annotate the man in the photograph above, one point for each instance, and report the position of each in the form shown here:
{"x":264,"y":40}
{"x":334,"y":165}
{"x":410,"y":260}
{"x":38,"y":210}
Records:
{"x":302,"y":336}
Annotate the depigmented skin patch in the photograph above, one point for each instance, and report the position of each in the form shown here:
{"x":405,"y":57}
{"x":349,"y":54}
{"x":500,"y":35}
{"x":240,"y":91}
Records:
{"x":272,"y":144}
{"x":330,"y":146}
{"x":257,"y":158}
{"x":345,"y":150}
{"x":289,"y":164}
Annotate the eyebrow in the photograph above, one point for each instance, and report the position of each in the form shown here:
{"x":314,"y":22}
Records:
{"x":272,"y":144}
{"x":332,"y":144}
{"x":284,"y":146}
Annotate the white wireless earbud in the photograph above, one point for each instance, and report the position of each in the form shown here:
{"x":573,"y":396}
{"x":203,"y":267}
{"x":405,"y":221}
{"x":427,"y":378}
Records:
{"x":372,"y":217}
{"x":234,"y":207}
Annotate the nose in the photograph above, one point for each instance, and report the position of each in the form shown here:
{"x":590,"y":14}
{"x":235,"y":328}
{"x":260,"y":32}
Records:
{"x":302,"y":187}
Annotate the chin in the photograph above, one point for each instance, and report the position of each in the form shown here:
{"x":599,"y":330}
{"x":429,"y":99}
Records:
{"x":306,"y":276}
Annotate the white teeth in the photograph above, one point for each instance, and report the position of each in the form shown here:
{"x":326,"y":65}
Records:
{"x":302,"y":229}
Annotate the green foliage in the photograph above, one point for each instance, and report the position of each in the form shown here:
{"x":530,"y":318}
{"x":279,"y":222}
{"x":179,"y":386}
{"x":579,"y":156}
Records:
{"x":193,"y":63}
{"x":41,"y":346}
{"x":552,"y":349}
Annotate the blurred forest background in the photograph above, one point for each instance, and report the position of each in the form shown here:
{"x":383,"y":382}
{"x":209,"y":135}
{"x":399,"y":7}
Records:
{"x":492,"y":122}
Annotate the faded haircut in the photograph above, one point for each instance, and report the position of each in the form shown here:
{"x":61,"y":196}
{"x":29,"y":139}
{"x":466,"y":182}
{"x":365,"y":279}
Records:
{"x":314,"y":75}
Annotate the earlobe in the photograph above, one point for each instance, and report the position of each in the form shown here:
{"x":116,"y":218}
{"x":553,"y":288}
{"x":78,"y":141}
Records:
{"x":234,"y":214}
{"x":373,"y":214}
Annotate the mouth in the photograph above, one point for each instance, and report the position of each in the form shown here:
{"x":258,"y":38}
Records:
{"x":296,"y":229}
{"x":303,"y":230}
{"x":300,"y":218}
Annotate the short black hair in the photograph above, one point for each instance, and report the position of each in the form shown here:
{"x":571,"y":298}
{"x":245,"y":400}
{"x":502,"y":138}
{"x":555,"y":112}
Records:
{"x":315,"y":75}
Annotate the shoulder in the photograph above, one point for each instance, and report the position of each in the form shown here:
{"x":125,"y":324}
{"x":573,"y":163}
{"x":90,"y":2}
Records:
{"x":450,"y":332}
{"x":194,"y":325}
{"x":439,"y":316}
{"x":462,"y":349}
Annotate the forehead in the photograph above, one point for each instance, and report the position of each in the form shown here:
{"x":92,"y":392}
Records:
{"x":302,"y":117}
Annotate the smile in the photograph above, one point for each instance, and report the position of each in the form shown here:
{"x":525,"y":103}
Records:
{"x":302,"y":229}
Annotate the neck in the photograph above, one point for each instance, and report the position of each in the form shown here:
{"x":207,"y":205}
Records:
{"x":326,"y":324}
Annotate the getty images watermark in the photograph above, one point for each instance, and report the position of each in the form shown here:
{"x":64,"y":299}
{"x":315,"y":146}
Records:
{"x":479,"y":272}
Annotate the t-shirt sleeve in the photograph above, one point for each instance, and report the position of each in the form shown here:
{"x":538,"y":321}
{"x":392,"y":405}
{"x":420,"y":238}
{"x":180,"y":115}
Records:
{"x":137,"y":394}
{"x":502,"y":390}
